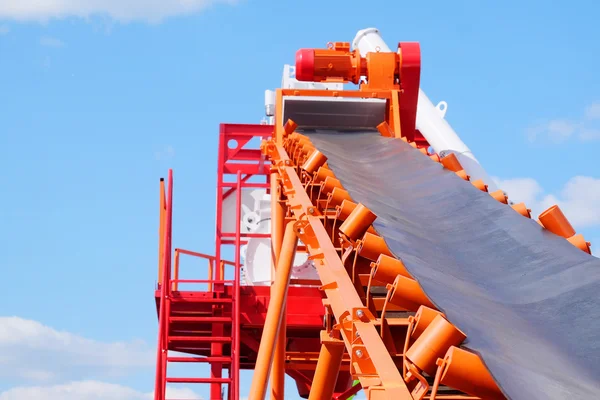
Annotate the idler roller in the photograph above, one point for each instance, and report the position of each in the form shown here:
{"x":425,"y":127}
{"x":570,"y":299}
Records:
{"x":433,"y":343}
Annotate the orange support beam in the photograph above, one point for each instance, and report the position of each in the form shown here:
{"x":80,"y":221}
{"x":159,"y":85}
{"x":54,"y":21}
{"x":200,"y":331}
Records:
{"x":328,"y":367}
{"x":264,"y":358}
{"x":277,"y":228}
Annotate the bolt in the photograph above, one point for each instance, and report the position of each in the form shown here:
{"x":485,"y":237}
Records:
{"x":360,"y":314}
{"x":359,"y":353}
{"x":311,"y":210}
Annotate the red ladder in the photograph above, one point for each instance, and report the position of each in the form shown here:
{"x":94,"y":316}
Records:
{"x":203,"y":324}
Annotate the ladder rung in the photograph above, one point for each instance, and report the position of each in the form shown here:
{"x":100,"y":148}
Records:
{"x":199,"y":359}
{"x":200,"y":319}
{"x":217,"y":339}
{"x":201,"y":300}
{"x":198,"y":380}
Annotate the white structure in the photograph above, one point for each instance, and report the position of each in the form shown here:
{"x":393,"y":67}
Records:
{"x":256,"y":255}
{"x":430,"y":119}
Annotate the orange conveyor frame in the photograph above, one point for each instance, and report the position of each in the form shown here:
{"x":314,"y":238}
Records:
{"x":311,"y":205}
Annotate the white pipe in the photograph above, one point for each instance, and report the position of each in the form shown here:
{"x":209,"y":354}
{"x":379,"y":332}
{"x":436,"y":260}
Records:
{"x":430,"y":119}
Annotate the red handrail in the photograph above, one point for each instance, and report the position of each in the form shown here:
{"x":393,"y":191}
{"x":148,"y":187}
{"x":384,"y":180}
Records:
{"x":161,"y":354}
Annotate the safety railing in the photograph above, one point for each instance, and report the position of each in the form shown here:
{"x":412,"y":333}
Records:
{"x":216,"y":273}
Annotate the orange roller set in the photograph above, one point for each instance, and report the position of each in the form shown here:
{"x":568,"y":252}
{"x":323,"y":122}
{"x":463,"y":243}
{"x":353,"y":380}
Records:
{"x":360,"y":247}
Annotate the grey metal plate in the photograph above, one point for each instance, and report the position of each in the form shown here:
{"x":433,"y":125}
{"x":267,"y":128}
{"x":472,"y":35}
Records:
{"x":528,"y":300}
{"x":332,"y":113}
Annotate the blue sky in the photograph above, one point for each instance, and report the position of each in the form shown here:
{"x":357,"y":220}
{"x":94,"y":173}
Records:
{"x":100,"y":98}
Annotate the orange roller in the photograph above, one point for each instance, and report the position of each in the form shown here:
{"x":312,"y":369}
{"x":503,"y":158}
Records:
{"x":500,"y":196}
{"x":451,"y":162}
{"x":301,"y":141}
{"x":479,"y":184}
{"x":408,"y":294}
{"x":329,"y":184}
{"x":314,"y":162}
{"x":307,"y":148}
{"x":463,"y":174}
{"x":337,"y":196}
{"x":358,"y":222}
{"x":372,"y":246}
{"x":433,"y":343}
{"x":579,"y":242}
{"x":387,"y":268}
{"x":385,"y":130}
{"x":465,"y":371}
{"x":423,"y":318}
{"x":289,"y":127}
{"x":555,"y":221}
{"x":322,"y":174}
{"x":345,"y":209}
{"x":522,"y":209}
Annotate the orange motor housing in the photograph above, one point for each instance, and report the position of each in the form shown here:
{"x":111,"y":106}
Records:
{"x":335,"y":63}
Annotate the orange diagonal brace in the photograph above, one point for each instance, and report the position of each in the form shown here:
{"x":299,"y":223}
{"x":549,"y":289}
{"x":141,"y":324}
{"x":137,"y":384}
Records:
{"x":371,"y":361}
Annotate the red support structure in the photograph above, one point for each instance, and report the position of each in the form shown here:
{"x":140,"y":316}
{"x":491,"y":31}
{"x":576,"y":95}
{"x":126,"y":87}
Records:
{"x":218,"y":321}
{"x":221,"y":325}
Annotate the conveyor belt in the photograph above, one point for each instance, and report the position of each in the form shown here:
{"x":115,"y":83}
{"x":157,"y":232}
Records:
{"x":528,"y":300}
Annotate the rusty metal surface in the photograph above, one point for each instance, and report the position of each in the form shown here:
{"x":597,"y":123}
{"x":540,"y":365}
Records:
{"x":528,"y":300}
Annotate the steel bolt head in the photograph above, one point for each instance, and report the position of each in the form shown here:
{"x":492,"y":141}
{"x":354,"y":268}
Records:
{"x":358,"y":353}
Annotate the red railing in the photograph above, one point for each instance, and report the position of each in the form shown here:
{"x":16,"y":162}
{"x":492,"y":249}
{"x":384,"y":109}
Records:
{"x":215,"y":276}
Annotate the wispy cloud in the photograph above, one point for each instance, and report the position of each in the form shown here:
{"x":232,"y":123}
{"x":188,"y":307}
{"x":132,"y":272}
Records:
{"x":31,"y":351}
{"x":4,"y":29}
{"x":592,"y":111}
{"x":90,"y":390}
{"x":124,"y":11}
{"x":579,"y":198}
{"x":585,"y":128}
{"x":48,"y":41}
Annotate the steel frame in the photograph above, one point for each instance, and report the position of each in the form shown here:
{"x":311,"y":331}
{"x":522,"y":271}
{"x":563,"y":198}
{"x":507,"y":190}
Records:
{"x":230,"y":313}
{"x":320,"y":337}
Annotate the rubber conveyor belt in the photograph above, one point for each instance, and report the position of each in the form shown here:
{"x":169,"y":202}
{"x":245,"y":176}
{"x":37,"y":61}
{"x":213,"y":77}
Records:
{"x":528,"y":301}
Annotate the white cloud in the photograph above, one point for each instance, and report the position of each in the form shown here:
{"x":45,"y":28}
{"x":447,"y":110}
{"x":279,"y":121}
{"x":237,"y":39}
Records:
{"x":579,"y":199}
{"x":586,"y":128}
{"x":31,"y":351}
{"x":4,"y":30}
{"x":89,"y":390}
{"x":146,"y":10}
{"x":593,"y":111}
{"x":48,"y":41}
{"x":557,"y":130}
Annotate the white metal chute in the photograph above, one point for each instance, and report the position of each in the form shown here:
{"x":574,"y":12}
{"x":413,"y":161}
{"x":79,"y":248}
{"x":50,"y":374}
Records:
{"x":430,"y":118}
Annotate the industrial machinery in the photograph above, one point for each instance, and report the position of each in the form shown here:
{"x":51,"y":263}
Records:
{"x":371,"y":252}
